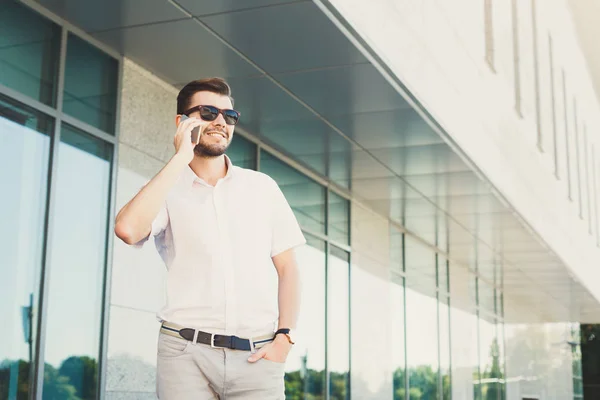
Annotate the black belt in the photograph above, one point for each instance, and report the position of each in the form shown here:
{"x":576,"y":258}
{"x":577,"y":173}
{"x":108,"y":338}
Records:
{"x":224,"y":341}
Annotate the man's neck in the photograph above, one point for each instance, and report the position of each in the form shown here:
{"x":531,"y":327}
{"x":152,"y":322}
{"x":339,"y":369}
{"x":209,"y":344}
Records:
{"x":209,"y":169}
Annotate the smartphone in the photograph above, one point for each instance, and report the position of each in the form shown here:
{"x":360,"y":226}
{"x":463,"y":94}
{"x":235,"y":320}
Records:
{"x":195,"y":131}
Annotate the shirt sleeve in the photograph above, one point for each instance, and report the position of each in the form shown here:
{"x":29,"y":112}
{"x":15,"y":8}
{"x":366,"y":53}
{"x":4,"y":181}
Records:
{"x":286,"y":232}
{"x":160,"y":223}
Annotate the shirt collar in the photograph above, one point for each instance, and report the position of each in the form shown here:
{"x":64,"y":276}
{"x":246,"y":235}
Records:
{"x":190,"y":176}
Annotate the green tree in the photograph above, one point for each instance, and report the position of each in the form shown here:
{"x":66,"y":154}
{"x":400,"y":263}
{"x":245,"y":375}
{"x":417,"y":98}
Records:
{"x":492,"y":389}
{"x":57,"y":387}
{"x":82,"y":373}
{"x":425,"y":379}
{"x":399,"y":380}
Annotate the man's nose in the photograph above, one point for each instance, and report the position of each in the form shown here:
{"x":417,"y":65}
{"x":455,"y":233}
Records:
{"x":220,"y":120}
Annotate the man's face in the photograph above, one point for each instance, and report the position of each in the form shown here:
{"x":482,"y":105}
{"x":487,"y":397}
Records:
{"x":216,"y":135}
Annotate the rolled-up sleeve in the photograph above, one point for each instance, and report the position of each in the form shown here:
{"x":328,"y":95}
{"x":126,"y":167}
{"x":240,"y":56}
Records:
{"x":160,"y":223}
{"x":286,"y":232}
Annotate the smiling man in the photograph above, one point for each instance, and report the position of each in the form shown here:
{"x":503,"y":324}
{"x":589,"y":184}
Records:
{"x":227,"y":237}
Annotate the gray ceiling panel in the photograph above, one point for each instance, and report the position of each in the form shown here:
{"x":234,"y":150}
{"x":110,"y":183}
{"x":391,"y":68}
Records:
{"x":290,"y":38}
{"x":208,"y":7}
{"x":386,"y":129}
{"x":182,"y":56}
{"x":344,"y":91}
{"x":92,"y":16}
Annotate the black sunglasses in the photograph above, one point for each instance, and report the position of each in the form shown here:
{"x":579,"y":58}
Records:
{"x":210,"y":113}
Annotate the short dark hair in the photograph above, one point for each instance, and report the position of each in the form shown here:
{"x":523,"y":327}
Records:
{"x":214,"y":85}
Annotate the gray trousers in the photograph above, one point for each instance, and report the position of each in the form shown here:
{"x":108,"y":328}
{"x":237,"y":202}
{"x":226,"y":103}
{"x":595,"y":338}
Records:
{"x":199,"y":372}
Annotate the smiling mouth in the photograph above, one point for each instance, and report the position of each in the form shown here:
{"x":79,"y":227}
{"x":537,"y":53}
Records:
{"x":217,"y":133}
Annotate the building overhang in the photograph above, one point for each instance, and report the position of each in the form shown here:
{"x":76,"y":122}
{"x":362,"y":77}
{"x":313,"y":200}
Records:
{"x":308,"y":87}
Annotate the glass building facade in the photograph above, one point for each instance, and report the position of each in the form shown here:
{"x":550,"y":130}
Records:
{"x":384,"y":313}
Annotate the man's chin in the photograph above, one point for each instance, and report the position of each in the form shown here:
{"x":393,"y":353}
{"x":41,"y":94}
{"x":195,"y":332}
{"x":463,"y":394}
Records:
{"x":209,"y":151}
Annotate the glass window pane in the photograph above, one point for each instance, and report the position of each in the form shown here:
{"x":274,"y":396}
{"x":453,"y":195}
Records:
{"x":242,"y":152}
{"x":25,"y":137}
{"x":29,"y":52}
{"x":339,"y":219}
{"x":421,"y":321}
{"x":338,"y":316}
{"x":305,"y":196}
{"x":396,"y":249}
{"x":77,"y":263}
{"x":397,"y":349}
{"x":305,"y":365}
{"x":90,"y":85}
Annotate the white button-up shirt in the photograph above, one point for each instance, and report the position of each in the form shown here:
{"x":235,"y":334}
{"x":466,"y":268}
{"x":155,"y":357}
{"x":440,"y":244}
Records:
{"x":217,"y":243}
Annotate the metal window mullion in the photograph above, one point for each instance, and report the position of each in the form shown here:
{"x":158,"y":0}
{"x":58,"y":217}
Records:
{"x":327,"y":254}
{"x":449,"y":345}
{"x":406,"y":377}
{"x":48,"y":226}
{"x":349,"y":305}
{"x":29,"y":101}
{"x":439,"y":343}
{"x":478,"y":319}
{"x":108,"y":264}
{"x":89,"y":129}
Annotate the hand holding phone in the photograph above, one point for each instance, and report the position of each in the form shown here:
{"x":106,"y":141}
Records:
{"x":195,"y":132}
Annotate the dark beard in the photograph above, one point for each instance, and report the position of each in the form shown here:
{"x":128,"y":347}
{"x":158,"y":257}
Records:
{"x":203,"y":150}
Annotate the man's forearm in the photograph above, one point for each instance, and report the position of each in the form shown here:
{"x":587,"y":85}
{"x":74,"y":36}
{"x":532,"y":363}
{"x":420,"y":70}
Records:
{"x":289,"y":296}
{"x":134,"y":221}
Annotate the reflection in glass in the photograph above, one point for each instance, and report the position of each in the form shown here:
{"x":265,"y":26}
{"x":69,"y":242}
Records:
{"x":25,"y":137}
{"x":465,"y":362}
{"x":338,"y":324}
{"x":575,"y":342}
{"x":421,"y":321}
{"x":421,"y":345}
{"x":77,"y":263}
{"x":397,"y":349}
{"x":29,"y":52}
{"x":305,"y":366}
{"x":420,"y":267}
{"x":90,"y":85}
{"x":242,"y":153}
{"x":444,"y":329}
{"x":338,"y":219}
{"x":490,"y":370}
{"x":305,"y":196}
{"x":501,"y":358}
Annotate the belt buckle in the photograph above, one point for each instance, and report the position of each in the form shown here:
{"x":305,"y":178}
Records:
{"x":212,"y":340}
